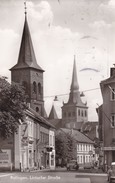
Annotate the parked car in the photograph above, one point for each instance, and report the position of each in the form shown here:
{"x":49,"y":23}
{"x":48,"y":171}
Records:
{"x":72,"y":164}
{"x":88,"y":166}
{"x":111,"y":173}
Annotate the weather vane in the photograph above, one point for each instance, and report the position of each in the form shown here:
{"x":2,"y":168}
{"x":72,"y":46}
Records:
{"x":25,"y":7}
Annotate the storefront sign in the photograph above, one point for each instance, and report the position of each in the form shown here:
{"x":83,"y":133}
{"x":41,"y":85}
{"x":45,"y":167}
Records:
{"x":5,"y":158}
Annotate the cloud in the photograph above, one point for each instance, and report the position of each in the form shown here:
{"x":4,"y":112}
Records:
{"x":41,"y":12}
{"x":100,"y":24}
{"x":8,"y":41}
{"x":112,"y":3}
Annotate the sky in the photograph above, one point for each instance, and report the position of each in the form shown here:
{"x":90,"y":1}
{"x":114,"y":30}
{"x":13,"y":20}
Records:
{"x":61,"y":29}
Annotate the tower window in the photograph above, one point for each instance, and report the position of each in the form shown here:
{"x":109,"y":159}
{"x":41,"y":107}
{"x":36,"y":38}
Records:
{"x":37,"y":109}
{"x":34,"y":87}
{"x":69,"y":114}
{"x":39,"y":88}
{"x":112,"y":94}
{"x":113,"y":120}
{"x":73,"y":113}
{"x":79,"y":112}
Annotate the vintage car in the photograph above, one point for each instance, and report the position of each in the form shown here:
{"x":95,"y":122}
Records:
{"x":88,"y":166}
{"x":111,"y":173}
{"x":72,"y":165}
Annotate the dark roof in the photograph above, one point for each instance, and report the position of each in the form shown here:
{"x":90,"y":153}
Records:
{"x":108,"y":80}
{"x":26,"y":57}
{"x":41,"y":119}
{"x":78,"y":136}
{"x":56,"y":122}
{"x":90,"y":129}
{"x":53,"y":114}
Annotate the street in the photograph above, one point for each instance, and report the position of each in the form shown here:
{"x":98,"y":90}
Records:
{"x":52,"y":176}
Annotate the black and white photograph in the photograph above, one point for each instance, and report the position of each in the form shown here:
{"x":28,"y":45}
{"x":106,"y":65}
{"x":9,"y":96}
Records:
{"x":57,"y":91}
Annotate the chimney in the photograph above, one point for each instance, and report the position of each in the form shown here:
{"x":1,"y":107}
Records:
{"x":112,"y":71}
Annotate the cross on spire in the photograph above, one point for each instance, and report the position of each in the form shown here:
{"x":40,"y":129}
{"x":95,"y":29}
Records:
{"x":25,"y":7}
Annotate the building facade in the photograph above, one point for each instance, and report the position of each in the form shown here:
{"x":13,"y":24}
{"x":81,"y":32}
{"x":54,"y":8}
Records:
{"x":107,"y":118}
{"x":85,"y":151}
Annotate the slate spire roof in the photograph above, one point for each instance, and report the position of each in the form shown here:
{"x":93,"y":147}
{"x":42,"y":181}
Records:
{"x":74,"y":96}
{"x":26,"y":57}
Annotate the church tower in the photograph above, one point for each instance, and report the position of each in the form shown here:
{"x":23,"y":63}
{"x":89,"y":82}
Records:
{"x":74,"y":111}
{"x":28,"y":73}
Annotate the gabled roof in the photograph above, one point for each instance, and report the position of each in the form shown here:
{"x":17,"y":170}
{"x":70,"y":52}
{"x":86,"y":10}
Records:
{"x":56,"y":122}
{"x":78,"y":136}
{"x":26,"y":57}
{"x":39,"y":118}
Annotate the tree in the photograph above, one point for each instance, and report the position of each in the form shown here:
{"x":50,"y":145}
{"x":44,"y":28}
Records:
{"x":65,"y":146}
{"x":12,"y":107}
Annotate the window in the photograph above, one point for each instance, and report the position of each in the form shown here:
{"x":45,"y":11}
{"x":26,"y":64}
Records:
{"x":78,"y":112}
{"x":37,"y":109}
{"x":82,"y":113}
{"x":34,"y":87}
{"x":73,"y":113}
{"x":69,"y":114}
{"x":85,"y":113}
{"x":39,"y":88}
{"x":30,"y":129}
{"x":50,"y":140}
{"x":113,"y":120}
{"x":112,"y":94}
{"x":83,"y":147}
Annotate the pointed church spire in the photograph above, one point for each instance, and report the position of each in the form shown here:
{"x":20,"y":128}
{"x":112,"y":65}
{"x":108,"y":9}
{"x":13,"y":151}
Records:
{"x":53,"y":114}
{"x":74,"y":84}
{"x":26,"y":54}
{"x":25,"y":7}
{"x":74,"y":96}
